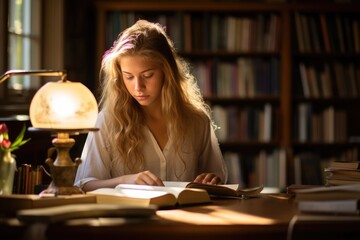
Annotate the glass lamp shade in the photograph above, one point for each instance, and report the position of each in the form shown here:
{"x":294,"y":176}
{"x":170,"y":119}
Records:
{"x":63,"y":105}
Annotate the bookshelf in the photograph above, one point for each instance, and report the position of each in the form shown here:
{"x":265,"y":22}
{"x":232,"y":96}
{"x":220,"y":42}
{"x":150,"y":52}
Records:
{"x":326,"y":95}
{"x":247,"y":60}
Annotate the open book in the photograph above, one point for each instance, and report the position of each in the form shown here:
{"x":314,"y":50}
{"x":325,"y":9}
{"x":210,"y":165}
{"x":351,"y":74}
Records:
{"x":143,"y":195}
{"x":173,"y":193}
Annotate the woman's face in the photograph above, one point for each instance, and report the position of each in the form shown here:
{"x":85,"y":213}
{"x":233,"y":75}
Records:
{"x":143,"y":79}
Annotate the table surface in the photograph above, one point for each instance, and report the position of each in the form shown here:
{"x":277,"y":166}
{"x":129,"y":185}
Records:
{"x":270,"y":216}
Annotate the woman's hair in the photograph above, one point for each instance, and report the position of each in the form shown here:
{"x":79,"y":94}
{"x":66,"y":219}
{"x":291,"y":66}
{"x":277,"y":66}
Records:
{"x":181,"y":97}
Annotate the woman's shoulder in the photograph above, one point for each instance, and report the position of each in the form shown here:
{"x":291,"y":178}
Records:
{"x":198,"y":119}
{"x":102,"y":119}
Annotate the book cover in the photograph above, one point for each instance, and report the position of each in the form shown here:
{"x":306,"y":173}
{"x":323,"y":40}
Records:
{"x":9,"y":204}
{"x":76,"y":211}
{"x":336,"y":207}
{"x":299,"y":33}
{"x":343,"y":173}
{"x":344,"y":192}
{"x":335,"y":181}
{"x":325,"y":33}
{"x":345,"y":164}
{"x":304,"y":80}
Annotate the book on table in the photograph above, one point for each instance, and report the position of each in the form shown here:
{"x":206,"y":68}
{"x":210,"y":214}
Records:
{"x":143,"y":195}
{"x":345,"y":164}
{"x":343,"y":199}
{"x":10,"y":204}
{"x":342,"y":192}
{"x":351,"y":206}
{"x":77,"y":211}
{"x":342,"y":173}
{"x":170,"y":195}
{"x":221,"y":190}
{"x":336,"y":181}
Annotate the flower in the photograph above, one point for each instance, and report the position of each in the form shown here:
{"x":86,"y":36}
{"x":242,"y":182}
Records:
{"x":6,"y":144}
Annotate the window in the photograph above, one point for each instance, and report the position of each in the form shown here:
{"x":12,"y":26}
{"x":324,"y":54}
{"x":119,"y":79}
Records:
{"x":31,"y":39}
{"x":24,"y":37}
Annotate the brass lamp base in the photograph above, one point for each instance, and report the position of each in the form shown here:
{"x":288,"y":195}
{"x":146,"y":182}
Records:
{"x":60,"y":184}
{"x":63,"y":169}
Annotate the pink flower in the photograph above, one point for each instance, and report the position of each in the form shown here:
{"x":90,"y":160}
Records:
{"x":5,"y":143}
{"x":3,"y":128}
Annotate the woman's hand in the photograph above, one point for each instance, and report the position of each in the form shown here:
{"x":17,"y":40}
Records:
{"x":143,"y":178}
{"x":208,"y":178}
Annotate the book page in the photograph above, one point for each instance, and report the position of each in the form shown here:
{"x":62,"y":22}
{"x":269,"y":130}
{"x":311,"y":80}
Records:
{"x":132,"y":193}
{"x":172,"y":190}
{"x":185,"y":184}
{"x":175,"y":184}
{"x":136,"y":197}
{"x":182,"y":194}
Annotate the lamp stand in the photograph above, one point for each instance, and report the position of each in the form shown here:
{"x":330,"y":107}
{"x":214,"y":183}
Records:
{"x":63,"y":169}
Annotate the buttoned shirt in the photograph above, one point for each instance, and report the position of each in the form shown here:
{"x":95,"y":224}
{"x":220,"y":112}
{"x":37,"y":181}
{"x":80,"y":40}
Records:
{"x":200,"y":153}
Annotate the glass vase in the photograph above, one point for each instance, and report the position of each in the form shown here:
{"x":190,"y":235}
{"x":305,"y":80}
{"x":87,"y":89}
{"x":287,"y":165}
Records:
{"x":7,"y":172}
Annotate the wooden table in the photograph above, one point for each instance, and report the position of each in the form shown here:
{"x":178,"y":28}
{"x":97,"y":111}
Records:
{"x":267,"y":217}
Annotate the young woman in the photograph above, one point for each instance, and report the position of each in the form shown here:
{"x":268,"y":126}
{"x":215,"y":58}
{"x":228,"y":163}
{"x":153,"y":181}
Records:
{"x":154,"y":124}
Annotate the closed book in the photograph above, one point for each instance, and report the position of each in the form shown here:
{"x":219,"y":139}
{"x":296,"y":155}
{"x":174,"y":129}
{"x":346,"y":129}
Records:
{"x":77,"y":211}
{"x":9,"y":204}
{"x":344,"y":164}
{"x":334,"y":181}
{"x":343,"y":192}
{"x":343,"y":173}
{"x":335,"y":207}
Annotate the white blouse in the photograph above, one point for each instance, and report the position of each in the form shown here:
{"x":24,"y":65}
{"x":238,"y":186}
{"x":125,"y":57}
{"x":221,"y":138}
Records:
{"x":199,"y":154}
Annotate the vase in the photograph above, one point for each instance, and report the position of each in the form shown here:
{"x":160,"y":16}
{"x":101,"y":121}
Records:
{"x":7,"y":172}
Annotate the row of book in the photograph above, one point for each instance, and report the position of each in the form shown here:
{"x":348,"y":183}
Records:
{"x":309,"y":166}
{"x":328,"y":125}
{"x":202,"y":31}
{"x":244,"y":77}
{"x":329,"y":80}
{"x":27,"y":178}
{"x":327,"y":33}
{"x":245,"y":124}
{"x":263,"y":168}
{"x":258,"y":34}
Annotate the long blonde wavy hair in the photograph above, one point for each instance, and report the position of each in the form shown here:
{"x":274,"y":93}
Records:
{"x":181,"y":97}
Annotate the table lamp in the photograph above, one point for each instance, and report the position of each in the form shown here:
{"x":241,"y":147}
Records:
{"x":62,"y":108}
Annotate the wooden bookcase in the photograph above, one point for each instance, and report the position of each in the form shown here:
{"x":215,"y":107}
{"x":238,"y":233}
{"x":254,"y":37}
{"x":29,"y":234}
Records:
{"x":231,"y":44}
{"x":325,"y":94}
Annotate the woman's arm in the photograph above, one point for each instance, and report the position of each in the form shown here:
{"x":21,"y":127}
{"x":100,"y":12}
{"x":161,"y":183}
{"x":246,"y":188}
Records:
{"x":212,"y":167}
{"x":144,"y":178}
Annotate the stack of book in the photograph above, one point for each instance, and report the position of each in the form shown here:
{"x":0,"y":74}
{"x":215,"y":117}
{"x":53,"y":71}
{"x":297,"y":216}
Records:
{"x":344,"y":199}
{"x":343,"y":173}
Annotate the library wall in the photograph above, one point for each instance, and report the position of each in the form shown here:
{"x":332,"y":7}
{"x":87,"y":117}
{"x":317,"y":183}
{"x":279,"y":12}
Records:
{"x":283,"y":79}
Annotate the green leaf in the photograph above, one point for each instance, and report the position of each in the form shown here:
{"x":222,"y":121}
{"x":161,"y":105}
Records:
{"x":19,"y":140}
